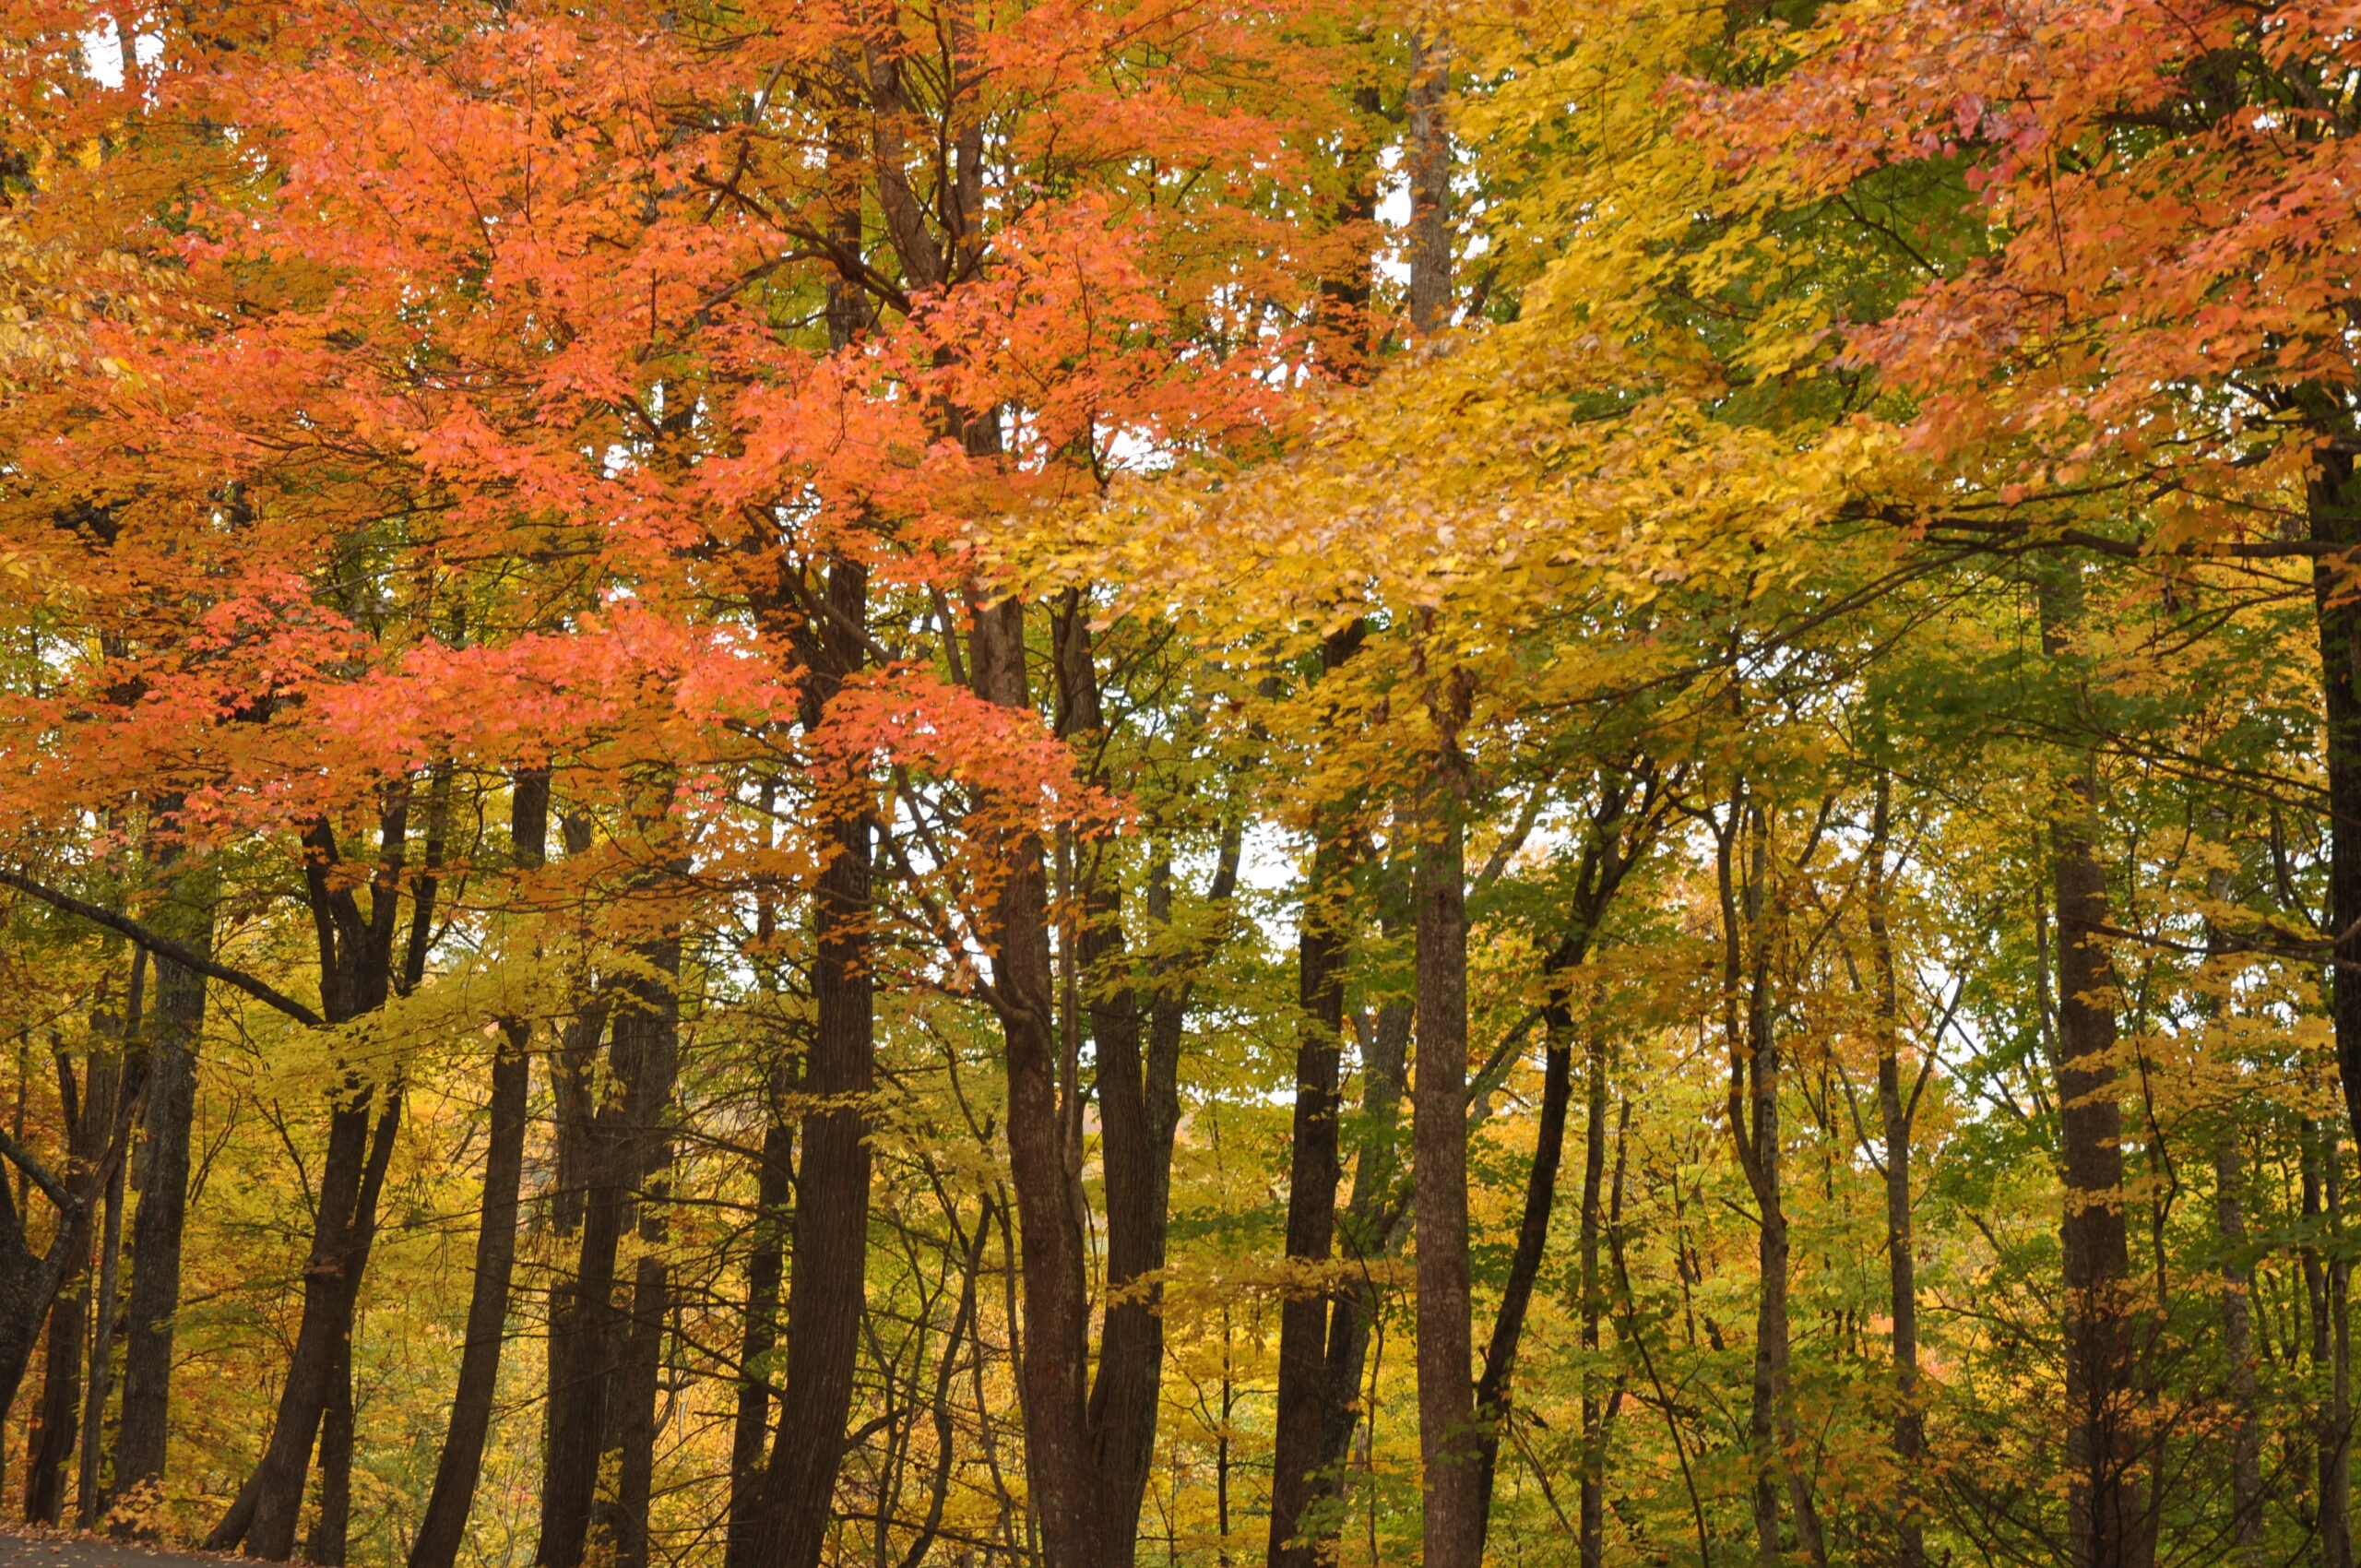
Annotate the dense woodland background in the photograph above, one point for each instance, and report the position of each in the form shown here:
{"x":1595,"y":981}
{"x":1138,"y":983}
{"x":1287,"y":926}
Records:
{"x":1107,"y":781}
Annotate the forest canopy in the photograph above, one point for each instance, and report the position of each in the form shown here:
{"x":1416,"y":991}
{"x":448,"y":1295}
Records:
{"x":1094,"y":783}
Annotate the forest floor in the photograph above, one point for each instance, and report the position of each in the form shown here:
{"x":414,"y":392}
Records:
{"x":21,"y":1547}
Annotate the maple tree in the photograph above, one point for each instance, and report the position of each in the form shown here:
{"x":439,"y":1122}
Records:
{"x":790,"y":783}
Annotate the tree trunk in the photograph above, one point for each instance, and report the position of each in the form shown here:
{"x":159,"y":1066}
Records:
{"x":90,"y":1492}
{"x":143,"y":1424}
{"x":332,"y":1526}
{"x":57,"y":1416}
{"x":1896,"y":1111}
{"x":266,"y":1511}
{"x":1524,"y":1265}
{"x":645,"y":1054}
{"x":1454,"y":1524}
{"x":1052,"y":1364}
{"x":444,"y":1524}
{"x":1134,"y":1133}
{"x":2238,"y":1346}
{"x":1304,"y":1401}
{"x":1597,"y":1413}
{"x":826,"y":1298}
{"x":2106,"y":1517}
{"x":1371,"y":1213}
{"x":750,"y":1426}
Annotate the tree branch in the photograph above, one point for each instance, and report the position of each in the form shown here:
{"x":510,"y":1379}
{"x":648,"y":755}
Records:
{"x":163,"y":946}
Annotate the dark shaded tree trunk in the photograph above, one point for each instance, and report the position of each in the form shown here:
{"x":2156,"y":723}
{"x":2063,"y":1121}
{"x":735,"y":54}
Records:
{"x":362,"y":962}
{"x":89,"y":1114}
{"x":1598,"y":1412}
{"x":1062,"y":1467}
{"x":1606,"y":859}
{"x":1372,"y":1216}
{"x":332,"y":1524}
{"x":750,"y":1426}
{"x":582,"y":1210}
{"x":645,"y":1054}
{"x":1135,"y":1112}
{"x":444,"y":1524}
{"x":826,"y":1298}
{"x":2105,"y":1517}
{"x":2238,"y":1346}
{"x":1305,"y":1401}
{"x":1756,"y":1070}
{"x":143,"y":1424}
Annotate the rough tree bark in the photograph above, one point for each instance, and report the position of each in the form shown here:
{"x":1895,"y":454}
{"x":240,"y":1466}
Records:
{"x":825,"y":1299}
{"x":1062,"y":1469}
{"x":2106,"y":1518}
{"x":1454,"y":1520}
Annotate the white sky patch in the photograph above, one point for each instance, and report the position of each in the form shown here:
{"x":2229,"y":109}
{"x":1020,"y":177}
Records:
{"x":103,"y":53}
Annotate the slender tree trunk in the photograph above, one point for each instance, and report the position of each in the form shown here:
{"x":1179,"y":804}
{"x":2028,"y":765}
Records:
{"x":1447,"y":1438}
{"x":825,"y":1299}
{"x":1492,"y":1386}
{"x":90,"y":1492}
{"x":1054,"y":1360}
{"x":143,"y":1424}
{"x":1304,"y":1401}
{"x":583,"y":1209}
{"x":2237,"y":1345}
{"x":750,"y":1427}
{"x":1596,"y":1412}
{"x":1371,"y":1213}
{"x":2336,"y":1446}
{"x":50,"y":1442}
{"x":57,"y":1416}
{"x":2105,"y":1517}
{"x":264,"y":1514}
{"x":1132,"y":1127}
{"x":1896,"y":1111}
{"x":444,"y":1524}
{"x":645,"y":1055}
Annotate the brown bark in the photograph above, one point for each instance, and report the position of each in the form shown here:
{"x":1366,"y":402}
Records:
{"x":750,"y":1426}
{"x":1134,"y":1112}
{"x":1304,"y":1400}
{"x":144,"y":1419}
{"x":831,"y":1221}
{"x":1453,"y":1524}
{"x":357,"y":957}
{"x":1062,"y":1469}
{"x":2107,"y":1519}
{"x":443,"y":1527}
